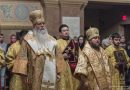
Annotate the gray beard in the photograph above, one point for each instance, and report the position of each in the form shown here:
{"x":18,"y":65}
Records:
{"x":41,"y":36}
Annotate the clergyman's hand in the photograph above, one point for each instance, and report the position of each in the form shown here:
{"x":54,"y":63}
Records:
{"x":86,"y":84}
{"x":58,"y":78}
{"x":65,"y":56}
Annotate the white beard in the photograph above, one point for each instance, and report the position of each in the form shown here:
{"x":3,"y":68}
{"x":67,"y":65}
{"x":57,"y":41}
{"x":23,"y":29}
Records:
{"x":41,"y":36}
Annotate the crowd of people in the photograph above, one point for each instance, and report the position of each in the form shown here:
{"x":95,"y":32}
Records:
{"x":35,"y":60}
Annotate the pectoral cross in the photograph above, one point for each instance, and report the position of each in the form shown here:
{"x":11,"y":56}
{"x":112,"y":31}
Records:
{"x":69,"y":48}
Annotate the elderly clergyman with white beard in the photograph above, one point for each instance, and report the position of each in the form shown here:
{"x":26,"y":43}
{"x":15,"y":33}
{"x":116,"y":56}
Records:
{"x":36,"y":62}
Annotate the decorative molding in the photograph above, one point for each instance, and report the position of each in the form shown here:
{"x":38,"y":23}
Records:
{"x":76,"y":3}
{"x":111,"y":1}
{"x":73,"y":2}
{"x":50,"y":2}
{"x":65,"y":2}
{"x":15,"y":25}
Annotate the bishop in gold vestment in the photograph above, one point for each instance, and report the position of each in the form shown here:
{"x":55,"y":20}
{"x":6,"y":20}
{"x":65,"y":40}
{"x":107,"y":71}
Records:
{"x":92,"y":69}
{"x":36,"y":62}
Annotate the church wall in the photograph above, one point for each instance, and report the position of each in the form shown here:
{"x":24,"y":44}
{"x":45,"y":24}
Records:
{"x":14,"y":14}
{"x":56,"y":10}
{"x":12,"y":20}
{"x":112,"y":21}
{"x":107,"y":20}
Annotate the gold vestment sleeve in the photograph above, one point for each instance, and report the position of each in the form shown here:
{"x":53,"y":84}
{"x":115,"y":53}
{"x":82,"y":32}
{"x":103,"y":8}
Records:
{"x":20,"y":67}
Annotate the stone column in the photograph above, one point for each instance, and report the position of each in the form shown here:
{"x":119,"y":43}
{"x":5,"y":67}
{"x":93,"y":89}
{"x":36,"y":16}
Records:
{"x":52,"y":15}
{"x":56,"y":9}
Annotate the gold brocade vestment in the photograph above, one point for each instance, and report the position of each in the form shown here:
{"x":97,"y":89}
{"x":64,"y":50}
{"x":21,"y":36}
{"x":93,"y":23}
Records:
{"x":12,"y":54}
{"x":117,"y":80}
{"x":2,"y":57}
{"x":32,"y":64}
{"x":94,"y":65}
{"x":16,"y":80}
{"x":67,"y":80}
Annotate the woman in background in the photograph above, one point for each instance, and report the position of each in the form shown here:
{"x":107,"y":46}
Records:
{"x":81,"y":41}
